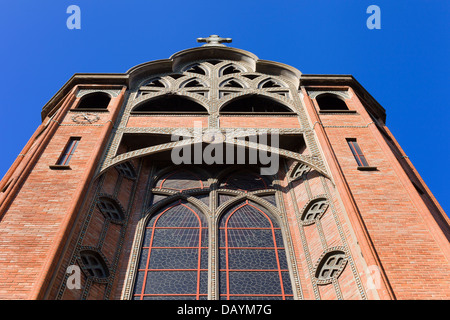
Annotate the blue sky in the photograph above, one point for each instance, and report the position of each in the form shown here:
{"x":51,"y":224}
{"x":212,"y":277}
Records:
{"x":404,"y":65}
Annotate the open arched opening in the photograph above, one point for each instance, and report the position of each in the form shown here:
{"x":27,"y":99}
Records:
{"x":331,"y":102}
{"x":255,"y":104}
{"x":96,"y":100}
{"x":170,"y":104}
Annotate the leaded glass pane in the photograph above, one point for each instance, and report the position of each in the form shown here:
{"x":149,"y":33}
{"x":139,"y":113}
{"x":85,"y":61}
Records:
{"x":252,"y":259}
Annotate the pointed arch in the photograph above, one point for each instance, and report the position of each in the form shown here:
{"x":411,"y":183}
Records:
{"x":252,"y":257}
{"x":197,"y":68}
{"x":94,"y":100}
{"x":271,"y":83}
{"x":176,"y":230}
{"x":169,"y":103}
{"x":193,"y":83}
{"x":233,"y":83}
{"x":255,"y":103}
{"x":230,"y":69}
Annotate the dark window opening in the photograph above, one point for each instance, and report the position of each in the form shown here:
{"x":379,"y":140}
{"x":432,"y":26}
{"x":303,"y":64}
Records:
{"x":111,"y":209}
{"x":314,"y":210}
{"x":357,"y":153}
{"x":230,"y":70}
{"x":170,"y":104}
{"x":331,"y":266}
{"x":270,"y":84}
{"x":193,"y":83}
{"x":94,"y":264}
{"x":68,"y":152}
{"x":196,"y":69}
{"x":127,"y":170}
{"x":255,"y":104}
{"x":97,"y":100}
{"x":329,"y":102}
{"x":233,"y":84}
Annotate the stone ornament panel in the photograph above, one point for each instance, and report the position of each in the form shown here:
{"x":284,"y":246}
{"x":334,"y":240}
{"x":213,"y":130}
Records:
{"x":82,"y":92}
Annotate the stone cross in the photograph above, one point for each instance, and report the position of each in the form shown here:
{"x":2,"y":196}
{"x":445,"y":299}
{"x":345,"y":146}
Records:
{"x":214,"y":40}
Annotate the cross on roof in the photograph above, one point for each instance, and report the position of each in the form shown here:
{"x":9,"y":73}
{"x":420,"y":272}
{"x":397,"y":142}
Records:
{"x":214,"y":40}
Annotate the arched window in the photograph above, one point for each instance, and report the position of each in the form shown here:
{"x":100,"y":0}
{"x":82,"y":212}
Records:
{"x":170,"y":104}
{"x":127,"y":170}
{"x":330,"y":266}
{"x":232,"y":83}
{"x":331,"y":102}
{"x":252,"y":260}
{"x":94,"y":264}
{"x":174,"y":255}
{"x":314,"y":210}
{"x":96,"y":100}
{"x":193,"y":83}
{"x":111,"y":209}
{"x":255,"y":104}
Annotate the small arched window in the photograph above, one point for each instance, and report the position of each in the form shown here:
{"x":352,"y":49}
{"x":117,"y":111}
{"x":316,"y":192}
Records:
{"x":170,"y":104}
{"x":196,"y":69}
{"x":230,"y":70}
{"x":232,"y":83}
{"x":314,"y":210}
{"x":331,"y":102}
{"x":94,"y":264}
{"x":270,"y":83}
{"x":193,"y":83}
{"x":331,"y":266}
{"x":127,"y":170}
{"x":96,"y":100}
{"x":111,"y":209}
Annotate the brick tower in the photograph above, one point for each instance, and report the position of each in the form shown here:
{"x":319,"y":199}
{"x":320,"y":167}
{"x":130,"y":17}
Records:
{"x":158,"y":183}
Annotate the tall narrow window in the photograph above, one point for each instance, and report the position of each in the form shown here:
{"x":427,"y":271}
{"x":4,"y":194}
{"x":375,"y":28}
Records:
{"x":253,"y":262}
{"x":357,"y":153}
{"x":68,"y":152}
{"x":174,"y":255}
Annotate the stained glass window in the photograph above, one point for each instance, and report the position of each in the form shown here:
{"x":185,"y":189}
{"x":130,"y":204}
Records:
{"x":174,"y":256}
{"x":252,"y":259}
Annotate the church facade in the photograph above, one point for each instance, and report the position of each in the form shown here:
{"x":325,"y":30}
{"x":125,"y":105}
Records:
{"x":215,"y":175}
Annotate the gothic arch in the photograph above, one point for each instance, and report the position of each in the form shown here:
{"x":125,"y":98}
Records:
{"x":194,"y":104}
{"x":258,"y":97}
{"x":224,"y":70}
